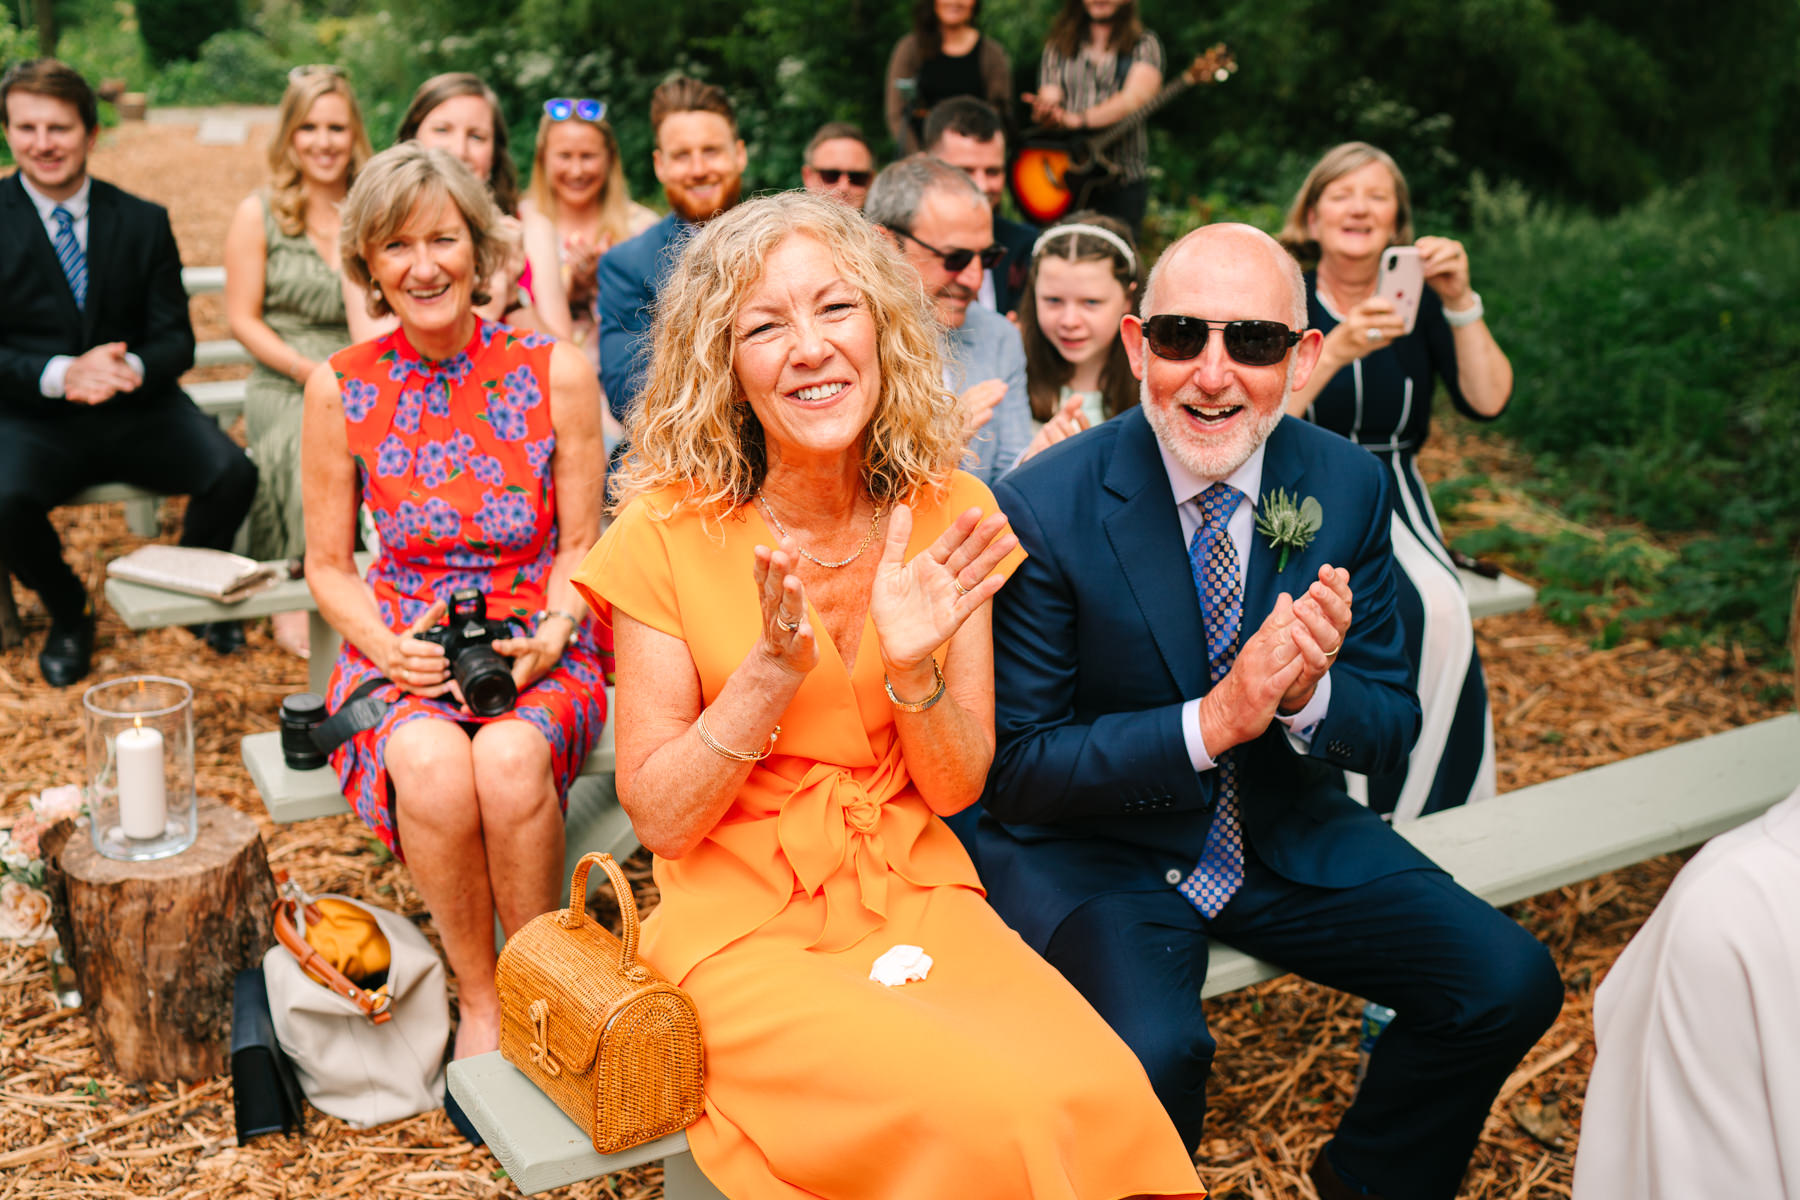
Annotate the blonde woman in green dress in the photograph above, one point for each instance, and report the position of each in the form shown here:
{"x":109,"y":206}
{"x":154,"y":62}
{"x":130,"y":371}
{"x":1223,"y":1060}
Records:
{"x":284,"y":297}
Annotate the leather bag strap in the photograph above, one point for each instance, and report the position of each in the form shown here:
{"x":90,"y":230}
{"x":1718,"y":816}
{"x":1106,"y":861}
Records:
{"x":373,"y":1005}
{"x":576,"y":914}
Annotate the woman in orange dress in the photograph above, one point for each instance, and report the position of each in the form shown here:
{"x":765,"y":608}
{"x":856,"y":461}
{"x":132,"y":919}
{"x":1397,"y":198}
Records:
{"x":798,"y":582}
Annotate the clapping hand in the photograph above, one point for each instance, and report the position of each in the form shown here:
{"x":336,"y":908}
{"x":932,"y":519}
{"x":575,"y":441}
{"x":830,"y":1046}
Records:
{"x":788,"y":639}
{"x":1067,"y":421}
{"x":918,"y":605}
{"x":978,"y":403}
{"x":1321,"y":620}
{"x":99,"y":375}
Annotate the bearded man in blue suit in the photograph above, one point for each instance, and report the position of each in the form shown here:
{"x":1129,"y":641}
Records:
{"x":1172,"y":730}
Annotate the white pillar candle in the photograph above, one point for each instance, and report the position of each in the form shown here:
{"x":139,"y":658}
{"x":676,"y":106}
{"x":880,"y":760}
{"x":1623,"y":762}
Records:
{"x":143,"y":799}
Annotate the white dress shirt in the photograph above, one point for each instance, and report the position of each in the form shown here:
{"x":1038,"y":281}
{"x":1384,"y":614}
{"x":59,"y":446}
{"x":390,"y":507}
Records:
{"x":1247,"y":479}
{"x":51,"y":382}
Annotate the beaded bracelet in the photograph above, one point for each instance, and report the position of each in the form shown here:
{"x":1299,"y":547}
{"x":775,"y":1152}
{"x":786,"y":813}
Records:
{"x":733,"y":755}
{"x":937,"y":693}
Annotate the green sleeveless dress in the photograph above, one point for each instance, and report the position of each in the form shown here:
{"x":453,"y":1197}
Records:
{"x":303,"y":301}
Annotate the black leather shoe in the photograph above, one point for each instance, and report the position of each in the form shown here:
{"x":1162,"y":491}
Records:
{"x":223,"y":636}
{"x":1332,"y":1186}
{"x":68,"y":651}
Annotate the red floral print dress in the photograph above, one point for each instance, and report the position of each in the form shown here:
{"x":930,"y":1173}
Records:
{"x":453,"y":457}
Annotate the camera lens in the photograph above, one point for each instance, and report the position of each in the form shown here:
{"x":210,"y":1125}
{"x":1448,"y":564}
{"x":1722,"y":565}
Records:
{"x":299,"y":713}
{"x":485,"y":679}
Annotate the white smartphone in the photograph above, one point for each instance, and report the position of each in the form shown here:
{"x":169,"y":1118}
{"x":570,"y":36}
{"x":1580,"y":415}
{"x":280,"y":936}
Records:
{"x":1402,"y":281}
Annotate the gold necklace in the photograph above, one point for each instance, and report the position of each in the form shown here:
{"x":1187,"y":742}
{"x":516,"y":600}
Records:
{"x":874,"y":523}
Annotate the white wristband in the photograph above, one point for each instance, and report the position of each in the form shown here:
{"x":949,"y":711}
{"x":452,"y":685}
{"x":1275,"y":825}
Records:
{"x":1458,"y":317}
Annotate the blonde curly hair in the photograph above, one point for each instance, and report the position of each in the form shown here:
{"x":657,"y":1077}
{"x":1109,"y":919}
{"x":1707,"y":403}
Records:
{"x":691,"y":426}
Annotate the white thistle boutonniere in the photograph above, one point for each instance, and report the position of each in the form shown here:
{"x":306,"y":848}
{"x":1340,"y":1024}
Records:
{"x":1289,"y":525}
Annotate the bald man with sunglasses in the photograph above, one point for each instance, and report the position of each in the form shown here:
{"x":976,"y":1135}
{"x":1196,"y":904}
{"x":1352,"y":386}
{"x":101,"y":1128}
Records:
{"x":1203,"y":641}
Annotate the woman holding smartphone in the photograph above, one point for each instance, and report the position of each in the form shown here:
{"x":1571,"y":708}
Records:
{"x":1374,"y":384}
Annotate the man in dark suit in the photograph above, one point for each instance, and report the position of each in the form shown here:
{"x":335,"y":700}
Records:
{"x":1171,"y":730}
{"x":700,"y":161}
{"x":96,"y":335}
{"x":968,"y":134}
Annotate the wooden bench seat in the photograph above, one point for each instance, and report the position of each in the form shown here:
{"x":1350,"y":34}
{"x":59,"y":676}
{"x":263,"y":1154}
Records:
{"x":1518,"y":845}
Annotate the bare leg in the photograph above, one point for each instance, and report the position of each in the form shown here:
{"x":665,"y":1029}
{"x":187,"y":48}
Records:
{"x":521,"y":818}
{"x":432,"y":765}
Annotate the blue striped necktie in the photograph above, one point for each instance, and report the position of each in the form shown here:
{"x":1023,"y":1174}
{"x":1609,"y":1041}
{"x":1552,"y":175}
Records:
{"x":70,"y":255}
{"x":1216,"y":878}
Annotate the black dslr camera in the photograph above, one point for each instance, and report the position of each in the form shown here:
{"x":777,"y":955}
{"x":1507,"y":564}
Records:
{"x":467,"y":636}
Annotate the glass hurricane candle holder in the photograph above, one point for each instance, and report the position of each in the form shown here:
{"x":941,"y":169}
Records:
{"x":140,"y":766}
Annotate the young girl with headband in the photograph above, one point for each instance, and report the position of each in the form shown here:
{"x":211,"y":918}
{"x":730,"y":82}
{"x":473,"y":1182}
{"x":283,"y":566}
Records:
{"x":1084,"y":277}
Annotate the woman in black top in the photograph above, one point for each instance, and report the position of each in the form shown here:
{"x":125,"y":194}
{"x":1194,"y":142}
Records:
{"x":1373,"y":384}
{"x":945,"y":55}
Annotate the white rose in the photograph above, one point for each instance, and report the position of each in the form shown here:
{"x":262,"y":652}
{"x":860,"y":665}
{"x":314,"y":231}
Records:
{"x":24,"y":913}
{"x":53,"y":804}
{"x":902,"y":964}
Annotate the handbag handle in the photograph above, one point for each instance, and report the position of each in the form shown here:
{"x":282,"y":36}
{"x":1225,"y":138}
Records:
{"x":576,"y":913}
{"x":373,"y":1005}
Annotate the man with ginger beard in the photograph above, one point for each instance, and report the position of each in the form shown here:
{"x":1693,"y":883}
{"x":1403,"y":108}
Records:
{"x":700,"y":162}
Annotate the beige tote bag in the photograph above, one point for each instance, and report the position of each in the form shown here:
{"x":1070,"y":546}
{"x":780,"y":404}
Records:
{"x":350,"y":1066}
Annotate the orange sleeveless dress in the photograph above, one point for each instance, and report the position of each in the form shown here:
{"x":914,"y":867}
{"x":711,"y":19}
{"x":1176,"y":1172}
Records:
{"x":992,"y":1077}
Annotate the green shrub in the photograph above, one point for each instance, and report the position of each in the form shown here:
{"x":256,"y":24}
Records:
{"x":234,"y":67}
{"x":174,"y":30}
{"x":1657,"y":355}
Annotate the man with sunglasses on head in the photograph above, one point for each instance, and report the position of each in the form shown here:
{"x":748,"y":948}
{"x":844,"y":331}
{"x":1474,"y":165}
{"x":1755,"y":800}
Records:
{"x":700,"y":160}
{"x":1201,"y":644}
{"x":941,"y":224}
{"x":968,"y":134}
{"x":839,"y":164}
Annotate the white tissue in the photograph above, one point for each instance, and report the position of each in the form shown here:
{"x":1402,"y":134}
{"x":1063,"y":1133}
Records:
{"x":902,"y":964}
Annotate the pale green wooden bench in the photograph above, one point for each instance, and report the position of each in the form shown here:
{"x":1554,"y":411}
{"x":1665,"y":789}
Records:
{"x":1522,"y":844}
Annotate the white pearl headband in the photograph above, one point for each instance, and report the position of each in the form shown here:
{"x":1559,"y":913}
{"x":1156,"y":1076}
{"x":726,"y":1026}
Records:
{"x":1105,"y":235}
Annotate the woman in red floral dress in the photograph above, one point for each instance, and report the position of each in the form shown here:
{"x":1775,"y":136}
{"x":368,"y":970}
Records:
{"x":477,"y":449}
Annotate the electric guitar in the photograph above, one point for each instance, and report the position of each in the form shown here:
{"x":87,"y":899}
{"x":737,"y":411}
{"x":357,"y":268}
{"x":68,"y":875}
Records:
{"x":1057,"y":170}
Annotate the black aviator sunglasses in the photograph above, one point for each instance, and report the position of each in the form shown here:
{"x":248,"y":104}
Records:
{"x":830,"y":175}
{"x":957,"y":261}
{"x":1253,"y":343}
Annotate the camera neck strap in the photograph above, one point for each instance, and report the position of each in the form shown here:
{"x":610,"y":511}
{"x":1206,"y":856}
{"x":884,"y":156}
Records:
{"x":359,"y":712}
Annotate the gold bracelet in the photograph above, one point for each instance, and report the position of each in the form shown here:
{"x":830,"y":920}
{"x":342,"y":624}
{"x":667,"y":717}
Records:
{"x":733,"y":755}
{"x":937,"y":693}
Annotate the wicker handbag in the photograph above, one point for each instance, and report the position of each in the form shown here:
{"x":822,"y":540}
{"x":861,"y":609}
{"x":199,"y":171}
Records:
{"x":613,"y":1043}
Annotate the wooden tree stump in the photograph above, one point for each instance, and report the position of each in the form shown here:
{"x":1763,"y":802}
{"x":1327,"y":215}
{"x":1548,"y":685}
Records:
{"x":156,"y":945}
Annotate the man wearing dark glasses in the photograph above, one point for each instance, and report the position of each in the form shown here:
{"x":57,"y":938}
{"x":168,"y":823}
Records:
{"x":839,"y":164}
{"x":968,"y":134}
{"x":941,"y":224}
{"x":1186,"y":667}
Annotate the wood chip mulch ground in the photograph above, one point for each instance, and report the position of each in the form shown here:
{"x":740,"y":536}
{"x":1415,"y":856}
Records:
{"x":1286,"y":1048}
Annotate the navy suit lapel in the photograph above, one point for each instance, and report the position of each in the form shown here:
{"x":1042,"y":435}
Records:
{"x":1282,"y":468}
{"x":22,"y":215}
{"x":102,"y":252}
{"x":1145,"y":534}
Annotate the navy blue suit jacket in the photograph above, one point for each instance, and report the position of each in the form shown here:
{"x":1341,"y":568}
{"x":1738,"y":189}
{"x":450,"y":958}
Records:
{"x":630,"y":277}
{"x":1098,"y":642}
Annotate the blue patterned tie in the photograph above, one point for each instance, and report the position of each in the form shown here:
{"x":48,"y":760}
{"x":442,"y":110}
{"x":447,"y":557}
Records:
{"x":70,"y":255}
{"x":1220,"y":871}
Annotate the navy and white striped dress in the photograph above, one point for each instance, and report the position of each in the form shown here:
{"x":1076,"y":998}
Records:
{"x":1383,"y":403}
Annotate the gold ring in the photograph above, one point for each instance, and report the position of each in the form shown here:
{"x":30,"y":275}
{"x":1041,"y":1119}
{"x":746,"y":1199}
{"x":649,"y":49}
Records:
{"x":785,"y":625}
{"x":957,"y":584}
{"x":1334,"y":653}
